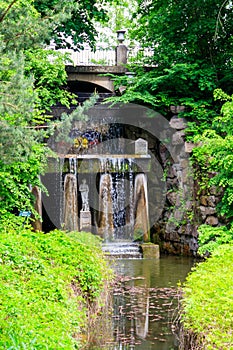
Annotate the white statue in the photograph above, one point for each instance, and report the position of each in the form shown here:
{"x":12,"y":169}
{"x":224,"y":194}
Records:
{"x":84,"y":189}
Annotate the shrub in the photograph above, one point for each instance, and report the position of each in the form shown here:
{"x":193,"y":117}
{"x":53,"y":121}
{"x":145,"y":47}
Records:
{"x":46,"y":283}
{"x":211,"y":238}
{"x":208,"y":300}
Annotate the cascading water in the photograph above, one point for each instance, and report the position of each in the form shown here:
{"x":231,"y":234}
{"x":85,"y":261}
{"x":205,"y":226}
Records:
{"x":114,"y":172}
{"x":120,"y":202}
{"x":73,"y":165}
{"x":119,"y":209}
{"x":130,"y":211}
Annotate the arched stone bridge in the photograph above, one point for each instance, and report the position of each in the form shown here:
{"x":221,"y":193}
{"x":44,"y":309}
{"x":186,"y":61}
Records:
{"x":91,"y":78}
{"x":85,"y":79}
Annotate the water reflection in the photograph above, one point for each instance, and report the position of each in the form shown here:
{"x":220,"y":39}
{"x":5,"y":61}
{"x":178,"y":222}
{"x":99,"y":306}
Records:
{"x":145,"y":300}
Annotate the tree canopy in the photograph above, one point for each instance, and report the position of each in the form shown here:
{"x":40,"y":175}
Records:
{"x":31,"y":81}
{"x":192,"y":51}
{"x":191,"y":65}
{"x":68,"y":23}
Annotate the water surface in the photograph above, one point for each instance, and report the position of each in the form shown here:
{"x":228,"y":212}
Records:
{"x":145,"y":302}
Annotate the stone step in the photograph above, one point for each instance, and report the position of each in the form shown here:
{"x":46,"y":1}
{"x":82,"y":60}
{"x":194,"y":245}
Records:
{"x":122,"y":250}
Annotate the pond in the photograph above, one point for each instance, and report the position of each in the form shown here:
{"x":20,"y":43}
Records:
{"x":145,"y":303}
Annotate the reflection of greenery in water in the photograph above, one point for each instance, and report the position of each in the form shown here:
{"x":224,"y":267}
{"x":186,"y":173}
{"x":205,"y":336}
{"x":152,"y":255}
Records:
{"x":144,"y":304}
{"x":143,"y":316}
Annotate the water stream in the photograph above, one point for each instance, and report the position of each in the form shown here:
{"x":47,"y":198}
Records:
{"x":145,"y":303}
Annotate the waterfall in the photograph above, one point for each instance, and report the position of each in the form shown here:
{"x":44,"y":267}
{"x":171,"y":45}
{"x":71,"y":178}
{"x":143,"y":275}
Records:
{"x":130,"y":207}
{"x":123,"y":202}
{"x":73,"y":166}
{"x":118,"y":199}
{"x":70,"y":203}
{"x":141,"y":216}
{"x":119,"y":205}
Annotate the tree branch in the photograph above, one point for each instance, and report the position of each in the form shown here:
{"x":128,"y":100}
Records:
{"x":218,"y":21}
{"x":7,"y":10}
{"x":10,"y":105}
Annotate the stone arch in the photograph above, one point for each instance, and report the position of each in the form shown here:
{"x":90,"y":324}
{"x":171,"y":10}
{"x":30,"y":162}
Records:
{"x":84,"y":86}
{"x":93,"y":81}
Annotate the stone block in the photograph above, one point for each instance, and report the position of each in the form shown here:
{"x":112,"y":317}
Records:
{"x":189,"y":146}
{"x":176,"y":168}
{"x":203,"y":201}
{"x":168,"y":248}
{"x":121,"y":54}
{"x":141,"y":146}
{"x":171,"y":226}
{"x":177,"y":138}
{"x":85,"y":220}
{"x":211,"y":201}
{"x":212,"y":221}
{"x":172,"y":196}
{"x":178,"y":123}
{"x":205,"y":211}
{"x":213,"y":190}
{"x":177,"y":109}
{"x":179,"y":214}
{"x":172,"y":236}
{"x":150,"y":251}
{"x":185,"y":163}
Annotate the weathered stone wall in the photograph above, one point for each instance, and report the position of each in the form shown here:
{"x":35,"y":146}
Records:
{"x":186,"y":206}
{"x":175,"y":230}
{"x":176,"y":205}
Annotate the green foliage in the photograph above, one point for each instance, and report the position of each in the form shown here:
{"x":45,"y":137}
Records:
{"x":211,"y":238}
{"x":48,"y":70}
{"x":181,"y":84}
{"x":214,"y":154}
{"x":21,"y":25}
{"x":22,"y":153}
{"x":31,"y":81}
{"x":186,"y":32}
{"x":121,"y":15}
{"x":72,"y":22}
{"x":67,"y":120}
{"x":207,"y":301}
{"x":46,"y":280}
{"x":191,"y":57}
{"x":27,"y":23}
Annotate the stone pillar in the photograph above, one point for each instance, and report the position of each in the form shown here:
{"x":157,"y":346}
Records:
{"x":141,"y":214}
{"x":121,"y":49}
{"x":121,"y":55}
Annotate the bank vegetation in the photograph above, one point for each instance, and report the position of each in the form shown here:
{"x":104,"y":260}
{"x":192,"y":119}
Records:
{"x":207,"y":303}
{"x":53,"y":287}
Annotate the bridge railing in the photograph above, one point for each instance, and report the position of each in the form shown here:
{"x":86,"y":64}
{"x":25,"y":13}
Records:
{"x":105,"y":56}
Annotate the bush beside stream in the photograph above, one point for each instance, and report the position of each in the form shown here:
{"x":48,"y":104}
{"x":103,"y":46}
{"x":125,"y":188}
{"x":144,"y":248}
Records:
{"x":48,"y":282}
{"x":208,"y":303}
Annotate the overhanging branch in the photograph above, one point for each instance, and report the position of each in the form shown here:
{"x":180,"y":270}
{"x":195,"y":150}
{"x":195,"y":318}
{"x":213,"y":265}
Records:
{"x":7,"y":10}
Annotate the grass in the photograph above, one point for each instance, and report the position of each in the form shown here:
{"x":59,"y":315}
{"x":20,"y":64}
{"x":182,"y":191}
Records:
{"x":208,"y":300}
{"x":47,"y":282}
